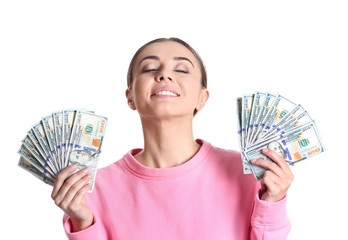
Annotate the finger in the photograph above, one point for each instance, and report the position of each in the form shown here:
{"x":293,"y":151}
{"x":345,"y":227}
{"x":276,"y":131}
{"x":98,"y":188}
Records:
{"x":275,"y":157}
{"x":61,"y":178}
{"x":69,"y":196}
{"x":278,"y":159}
{"x":270,"y":177}
{"x":68,"y":183}
{"x":270,"y":181}
{"x":263,"y":188}
{"x":269,"y":165}
{"x":273,"y":183}
{"x":80,"y":195}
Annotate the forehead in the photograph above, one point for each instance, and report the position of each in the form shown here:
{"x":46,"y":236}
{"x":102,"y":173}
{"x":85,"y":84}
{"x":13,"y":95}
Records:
{"x":166,"y":49}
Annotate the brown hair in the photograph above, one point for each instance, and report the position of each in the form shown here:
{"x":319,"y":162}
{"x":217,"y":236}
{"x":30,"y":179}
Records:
{"x":201,"y":64}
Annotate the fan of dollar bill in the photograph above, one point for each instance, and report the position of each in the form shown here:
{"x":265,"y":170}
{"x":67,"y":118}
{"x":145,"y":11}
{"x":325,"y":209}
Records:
{"x":271,"y":121}
{"x":61,"y":139}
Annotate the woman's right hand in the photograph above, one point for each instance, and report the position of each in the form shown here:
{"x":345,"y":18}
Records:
{"x":69,"y":195}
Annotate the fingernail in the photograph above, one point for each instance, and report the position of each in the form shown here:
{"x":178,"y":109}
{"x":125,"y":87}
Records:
{"x":85,"y":170}
{"x":253,"y":161}
{"x":265,"y":150}
{"x":74,"y":166}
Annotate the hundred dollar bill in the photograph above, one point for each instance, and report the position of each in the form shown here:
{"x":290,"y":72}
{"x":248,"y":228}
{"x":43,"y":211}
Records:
{"x":247,"y":101}
{"x":57,"y":123}
{"x":296,"y":145}
{"x":86,"y":141}
{"x":239,"y":119}
{"x":288,"y":117}
{"x":48,"y":126}
{"x":28,"y":143}
{"x":39,"y":133}
{"x":259,"y":104}
{"x":255,"y":107}
{"x":30,"y":168}
{"x":30,"y":158}
{"x":37,"y":145}
{"x":267,"y":102}
{"x":246,"y":167}
{"x":293,"y":122}
{"x":279,"y":109}
{"x":67,"y":124}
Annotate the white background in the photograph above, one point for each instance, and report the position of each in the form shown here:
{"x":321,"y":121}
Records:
{"x":72,"y":54}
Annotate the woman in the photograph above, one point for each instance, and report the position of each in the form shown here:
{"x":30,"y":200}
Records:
{"x":175,"y":187}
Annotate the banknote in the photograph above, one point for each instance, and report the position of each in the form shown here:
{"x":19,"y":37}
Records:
{"x":277,"y":125}
{"x":48,"y":125}
{"x":239,"y":119}
{"x":279,"y":109}
{"x":86,"y":140}
{"x":247,"y":101}
{"x":26,"y":154}
{"x":67,"y":124}
{"x":267,"y":102}
{"x":27,"y":166}
{"x":259,"y":109}
{"x":246,"y":166}
{"x":39,"y":149}
{"x":294,"y":121}
{"x":57,"y":124}
{"x":29,"y":145}
{"x":60,"y":139}
{"x":295,"y":145}
{"x":40,"y":135}
{"x":255,"y":108}
{"x":272,"y":121}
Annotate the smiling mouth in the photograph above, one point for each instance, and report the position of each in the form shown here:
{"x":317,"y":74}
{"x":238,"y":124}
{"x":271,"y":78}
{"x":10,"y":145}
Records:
{"x":165,"y":93}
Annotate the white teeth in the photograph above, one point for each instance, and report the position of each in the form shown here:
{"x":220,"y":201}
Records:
{"x":166,"y":93}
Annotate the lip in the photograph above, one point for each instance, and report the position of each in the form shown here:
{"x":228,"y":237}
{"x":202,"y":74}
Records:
{"x":165,"y":88}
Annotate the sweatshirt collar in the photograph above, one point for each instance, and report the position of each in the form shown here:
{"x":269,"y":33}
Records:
{"x":145,"y":172}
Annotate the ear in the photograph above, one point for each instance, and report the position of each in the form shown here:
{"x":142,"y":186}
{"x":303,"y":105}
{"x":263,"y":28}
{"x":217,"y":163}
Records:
{"x":130,"y":101}
{"x":202,"y":99}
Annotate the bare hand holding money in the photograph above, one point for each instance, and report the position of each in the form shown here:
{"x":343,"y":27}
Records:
{"x":69,"y":195}
{"x":68,"y":137}
{"x":277,"y":178}
{"x":63,"y":150}
{"x":268,"y":121}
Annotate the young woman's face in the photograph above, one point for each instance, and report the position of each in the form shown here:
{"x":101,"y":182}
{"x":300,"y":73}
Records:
{"x":166,"y":82}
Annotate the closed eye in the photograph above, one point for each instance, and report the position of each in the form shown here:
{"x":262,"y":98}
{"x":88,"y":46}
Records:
{"x":149,"y":70}
{"x":181,"y":71}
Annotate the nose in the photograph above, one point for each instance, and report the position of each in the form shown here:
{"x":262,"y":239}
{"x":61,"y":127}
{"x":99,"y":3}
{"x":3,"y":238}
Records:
{"x":163,"y":75}
{"x":162,"y":78}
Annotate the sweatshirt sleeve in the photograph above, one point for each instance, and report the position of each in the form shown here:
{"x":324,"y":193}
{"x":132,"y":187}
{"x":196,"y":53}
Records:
{"x":269,"y":220}
{"x":91,"y":233}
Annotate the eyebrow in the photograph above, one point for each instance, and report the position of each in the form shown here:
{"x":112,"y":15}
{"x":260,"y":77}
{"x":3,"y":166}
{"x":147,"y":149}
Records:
{"x":157,"y":58}
{"x":184,"y":58}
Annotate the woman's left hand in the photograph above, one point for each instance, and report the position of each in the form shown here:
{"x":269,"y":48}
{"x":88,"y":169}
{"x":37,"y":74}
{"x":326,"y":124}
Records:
{"x":277,"y":178}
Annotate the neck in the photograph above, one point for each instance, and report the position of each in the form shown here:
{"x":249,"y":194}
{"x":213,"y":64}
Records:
{"x":167,"y":143}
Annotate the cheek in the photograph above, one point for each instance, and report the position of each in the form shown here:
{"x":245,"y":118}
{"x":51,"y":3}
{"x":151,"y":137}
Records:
{"x":139,"y":88}
{"x":195,"y":88}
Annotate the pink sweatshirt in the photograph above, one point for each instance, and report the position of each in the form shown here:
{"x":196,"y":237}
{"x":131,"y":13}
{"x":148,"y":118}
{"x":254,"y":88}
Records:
{"x":207,"y":197}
